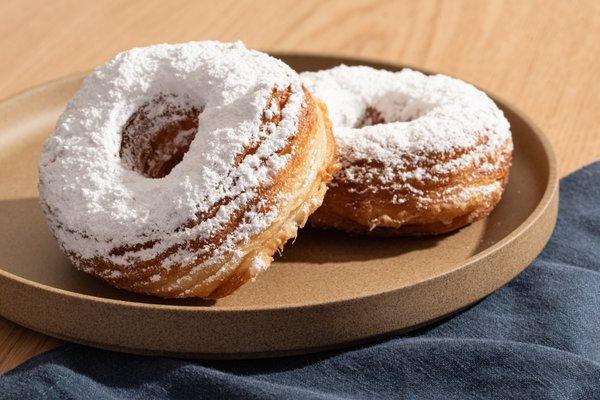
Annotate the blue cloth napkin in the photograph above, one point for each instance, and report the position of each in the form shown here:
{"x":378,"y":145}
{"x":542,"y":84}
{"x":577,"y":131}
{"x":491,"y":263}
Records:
{"x":538,"y":337}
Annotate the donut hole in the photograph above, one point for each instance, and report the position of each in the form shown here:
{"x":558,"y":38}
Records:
{"x":158,"y":134}
{"x":371,"y":116}
{"x":392,"y":107}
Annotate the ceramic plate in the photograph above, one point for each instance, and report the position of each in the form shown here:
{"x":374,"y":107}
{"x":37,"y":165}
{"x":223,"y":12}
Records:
{"x":327,"y":290}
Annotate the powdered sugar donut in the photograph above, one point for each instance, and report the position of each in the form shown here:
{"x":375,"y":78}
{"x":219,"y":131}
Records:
{"x":178,"y":170}
{"x":420,"y":154}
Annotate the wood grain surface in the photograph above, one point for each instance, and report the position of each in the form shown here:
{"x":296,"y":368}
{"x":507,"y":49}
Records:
{"x":542,"y":56}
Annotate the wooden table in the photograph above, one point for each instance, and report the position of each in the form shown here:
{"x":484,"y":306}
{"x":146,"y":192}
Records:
{"x":542,"y":56}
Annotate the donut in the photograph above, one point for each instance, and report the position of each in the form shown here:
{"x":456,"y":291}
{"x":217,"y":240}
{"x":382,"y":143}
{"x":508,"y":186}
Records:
{"x":420,"y":155}
{"x":177,"y":170}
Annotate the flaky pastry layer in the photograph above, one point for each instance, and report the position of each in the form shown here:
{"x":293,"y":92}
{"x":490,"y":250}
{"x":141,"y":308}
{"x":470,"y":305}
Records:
{"x":439,"y":205}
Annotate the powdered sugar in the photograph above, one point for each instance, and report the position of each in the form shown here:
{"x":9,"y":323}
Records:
{"x":94,"y":201}
{"x":257,"y":266}
{"x":425,"y":117}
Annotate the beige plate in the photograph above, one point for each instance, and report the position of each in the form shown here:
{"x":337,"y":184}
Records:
{"x":327,"y":290}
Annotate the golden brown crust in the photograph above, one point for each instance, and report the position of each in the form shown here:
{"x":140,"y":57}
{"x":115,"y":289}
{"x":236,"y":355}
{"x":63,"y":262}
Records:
{"x":428,"y":207}
{"x":304,"y":204}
